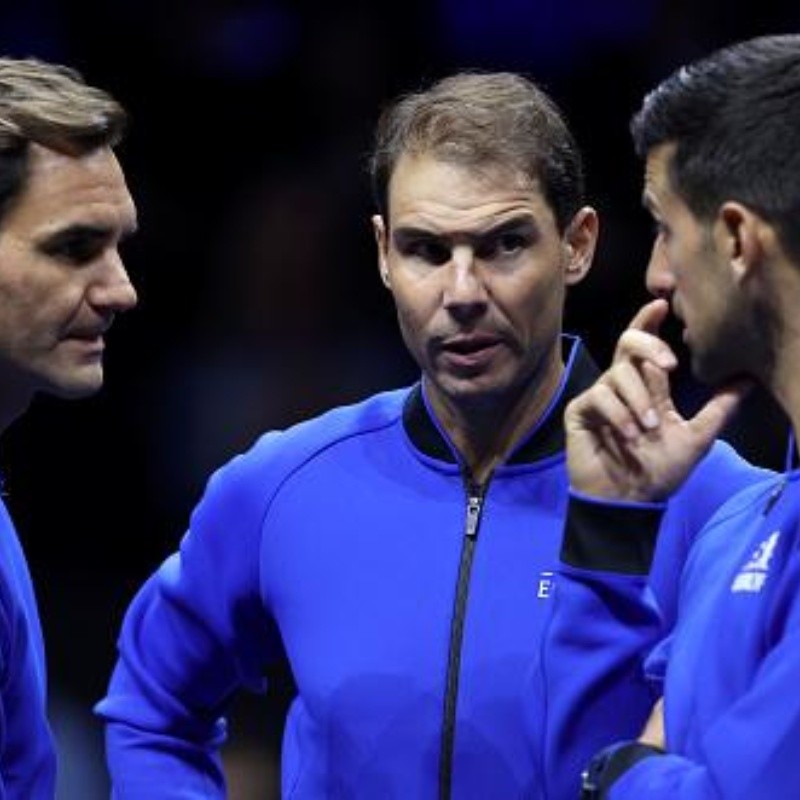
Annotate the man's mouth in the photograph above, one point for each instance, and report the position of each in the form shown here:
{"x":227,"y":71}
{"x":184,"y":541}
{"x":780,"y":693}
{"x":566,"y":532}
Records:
{"x":469,"y":344}
{"x":470,"y":352}
{"x":678,"y":318}
{"x":88,"y":332}
{"x":89,"y":340}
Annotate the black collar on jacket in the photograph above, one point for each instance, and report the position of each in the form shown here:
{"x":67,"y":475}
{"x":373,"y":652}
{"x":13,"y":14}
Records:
{"x":547,"y":436}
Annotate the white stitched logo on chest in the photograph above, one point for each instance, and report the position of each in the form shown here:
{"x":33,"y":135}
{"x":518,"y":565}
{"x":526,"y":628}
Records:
{"x":546,"y":585}
{"x":753,"y":574}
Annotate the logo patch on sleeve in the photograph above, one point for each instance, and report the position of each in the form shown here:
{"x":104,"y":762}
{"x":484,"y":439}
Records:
{"x":752,"y":576}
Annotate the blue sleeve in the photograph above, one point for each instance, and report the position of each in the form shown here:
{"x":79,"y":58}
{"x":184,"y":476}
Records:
{"x":751,"y":749}
{"x":604,"y":622}
{"x":720,"y":475}
{"x":616,"y":600}
{"x":195,"y":633}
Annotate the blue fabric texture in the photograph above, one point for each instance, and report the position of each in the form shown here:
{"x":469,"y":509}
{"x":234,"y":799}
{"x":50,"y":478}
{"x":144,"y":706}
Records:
{"x":27,"y":754}
{"x":729,"y":667}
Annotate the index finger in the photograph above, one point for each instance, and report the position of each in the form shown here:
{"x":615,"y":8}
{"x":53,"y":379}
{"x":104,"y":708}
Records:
{"x":650,"y":316}
{"x":640,"y":340}
{"x":639,"y":345}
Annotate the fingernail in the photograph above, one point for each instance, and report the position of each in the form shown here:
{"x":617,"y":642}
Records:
{"x":650,"y":418}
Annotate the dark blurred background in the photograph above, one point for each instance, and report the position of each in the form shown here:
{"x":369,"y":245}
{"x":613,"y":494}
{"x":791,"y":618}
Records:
{"x":259,"y":297}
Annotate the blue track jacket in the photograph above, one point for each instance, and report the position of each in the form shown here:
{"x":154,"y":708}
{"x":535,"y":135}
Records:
{"x":27,"y":754}
{"x":730,"y":667}
{"x":410,"y":605}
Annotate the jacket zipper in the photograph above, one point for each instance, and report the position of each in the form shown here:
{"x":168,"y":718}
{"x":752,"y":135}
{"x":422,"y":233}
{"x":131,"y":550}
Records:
{"x":475,"y":496}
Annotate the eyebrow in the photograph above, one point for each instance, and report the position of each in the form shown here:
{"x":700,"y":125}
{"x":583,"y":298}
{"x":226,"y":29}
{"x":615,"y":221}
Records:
{"x":83,"y":235}
{"x":407,"y":233}
{"x":84,"y":231}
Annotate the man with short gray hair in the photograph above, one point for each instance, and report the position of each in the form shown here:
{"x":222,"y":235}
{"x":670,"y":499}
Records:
{"x":64,"y":209}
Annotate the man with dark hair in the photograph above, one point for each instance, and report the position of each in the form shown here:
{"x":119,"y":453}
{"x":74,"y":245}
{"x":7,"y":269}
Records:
{"x":64,"y":207}
{"x":721,"y":139}
{"x":399,"y":552}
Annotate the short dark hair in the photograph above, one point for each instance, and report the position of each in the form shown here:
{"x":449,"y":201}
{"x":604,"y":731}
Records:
{"x":734,"y":118}
{"x":481,"y":120}
{"x":50,"y":105}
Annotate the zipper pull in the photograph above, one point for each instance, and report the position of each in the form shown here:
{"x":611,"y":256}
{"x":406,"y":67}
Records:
{"x":473,"y":514}
{"x":774,"y":497}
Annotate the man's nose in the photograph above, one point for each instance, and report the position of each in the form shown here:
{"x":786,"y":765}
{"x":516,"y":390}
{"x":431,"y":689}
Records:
{"x":112,"y":289}
{"x":659,"y":279}
{"x":465,"y":294}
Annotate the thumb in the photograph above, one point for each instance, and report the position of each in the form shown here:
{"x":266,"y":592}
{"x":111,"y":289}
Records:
{"x":714,"y":415}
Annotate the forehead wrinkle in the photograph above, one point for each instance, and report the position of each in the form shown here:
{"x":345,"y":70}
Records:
{"x":442,"y":192}
{"x":71,"y":187}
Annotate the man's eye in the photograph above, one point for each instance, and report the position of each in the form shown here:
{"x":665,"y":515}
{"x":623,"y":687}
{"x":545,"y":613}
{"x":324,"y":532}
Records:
{"x":431,"y":252}
{"x":510,"y":243}
{"x":79,"y":252}
{"x":75,"y":250}
{"x":504,"y":245}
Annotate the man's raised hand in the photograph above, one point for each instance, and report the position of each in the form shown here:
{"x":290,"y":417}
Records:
{"x":625,"y":438}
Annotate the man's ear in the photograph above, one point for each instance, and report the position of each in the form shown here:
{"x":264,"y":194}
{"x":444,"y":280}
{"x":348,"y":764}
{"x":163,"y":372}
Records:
{"x":580,"y":241}
{"x":745,"y":238}
{"x":382,"y":243}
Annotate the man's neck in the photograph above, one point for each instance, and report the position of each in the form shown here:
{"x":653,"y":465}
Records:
{"x":785,"y":385}
{"x":783,"y":381}
{"x":486,"y":432}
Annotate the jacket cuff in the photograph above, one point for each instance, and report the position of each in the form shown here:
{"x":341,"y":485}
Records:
{"x":610,"y":537}
{"x":609,"y":764}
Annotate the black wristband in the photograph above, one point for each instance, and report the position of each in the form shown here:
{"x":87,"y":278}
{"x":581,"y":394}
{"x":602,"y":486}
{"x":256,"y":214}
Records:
{"x":611,"y":537}
{"x":609,"y":764}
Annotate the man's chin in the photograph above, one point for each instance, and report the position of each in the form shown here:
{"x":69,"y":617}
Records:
{"x":82,"y":383}
{"x":474,"y":393}
{"x":715,"y":372}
